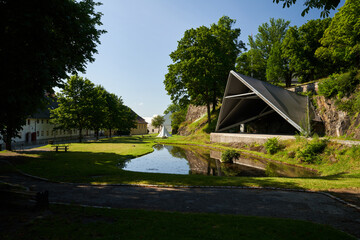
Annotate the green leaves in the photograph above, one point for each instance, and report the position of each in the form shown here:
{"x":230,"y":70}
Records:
{"x":201,"y":63}
{"x":341,"y":40}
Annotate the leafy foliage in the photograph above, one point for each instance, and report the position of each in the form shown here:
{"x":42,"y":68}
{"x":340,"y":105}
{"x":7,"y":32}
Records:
{"x":341,"y":41}
{"x":272,"y":145}
{"x":82,"y":105}
{"x":157,"y":121}
{"x":264,"y":60}
{"x":326,"y":5}
{"x":40,"y":43}
{"x":201,"y":64}
{"x":228,"y":155}
{"x":339,"y":85}
{"x":310,"y":152}
{"x":299,"y":48}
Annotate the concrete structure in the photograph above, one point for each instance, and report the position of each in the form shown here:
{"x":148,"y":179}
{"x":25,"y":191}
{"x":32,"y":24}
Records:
{"x":245,"y":138}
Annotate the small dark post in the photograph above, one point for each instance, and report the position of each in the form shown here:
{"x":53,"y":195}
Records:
{"x":42,"y":200}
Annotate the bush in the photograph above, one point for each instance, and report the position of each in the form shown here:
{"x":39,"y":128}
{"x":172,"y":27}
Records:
{"x":229,"y":155}
{"x":339,"y":85}
{"x":310,"y":152}
{"x":272,"y":145}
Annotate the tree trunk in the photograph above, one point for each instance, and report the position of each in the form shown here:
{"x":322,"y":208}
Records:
{"x":110,"y":132}
{"x":97,"y":134}
{"x":208,"y":112}
{"x":80,"y":135}
{"x":7,"y":140}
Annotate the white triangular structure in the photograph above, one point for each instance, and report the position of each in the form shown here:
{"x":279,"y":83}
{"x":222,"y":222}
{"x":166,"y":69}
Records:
{"x":164,"y":133}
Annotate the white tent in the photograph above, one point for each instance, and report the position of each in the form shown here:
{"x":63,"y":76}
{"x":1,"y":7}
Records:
{"x":164,"y":133}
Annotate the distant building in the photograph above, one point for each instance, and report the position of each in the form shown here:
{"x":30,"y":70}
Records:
{"x":38,"y":129}
{"x":141,"y":126}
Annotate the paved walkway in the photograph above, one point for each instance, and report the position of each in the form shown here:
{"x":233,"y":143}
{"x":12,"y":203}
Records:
{"x":312,"y":207}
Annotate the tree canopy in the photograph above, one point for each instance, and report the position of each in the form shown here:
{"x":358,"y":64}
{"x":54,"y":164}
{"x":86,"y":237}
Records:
{"x":40,"y":43}
{"x":157,"y":121}
{"x":299,"y":48}
{"x":201,"y":64}
{"x":341,"y":41}
{"x":82,"y":105}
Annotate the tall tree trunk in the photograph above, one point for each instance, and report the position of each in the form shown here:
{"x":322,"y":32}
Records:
{"x":97,"y":134}
{"x":7,"y":140}
{"x":80,"y":135}
{"x":208,"y":112}
{"x":110,"y":132}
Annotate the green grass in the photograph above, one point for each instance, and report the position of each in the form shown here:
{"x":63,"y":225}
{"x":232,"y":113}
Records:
{"x":99,"y":162}
{"x":70,"y":222}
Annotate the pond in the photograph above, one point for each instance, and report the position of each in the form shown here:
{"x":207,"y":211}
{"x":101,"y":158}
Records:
{"x":205,"y":161}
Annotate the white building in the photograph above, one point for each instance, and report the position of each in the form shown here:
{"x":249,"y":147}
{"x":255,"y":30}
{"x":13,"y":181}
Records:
{"x":38,"y":129}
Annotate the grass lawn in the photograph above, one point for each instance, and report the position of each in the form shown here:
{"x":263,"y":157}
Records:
{"x":72,"y":222}
{"x":99,"y":162}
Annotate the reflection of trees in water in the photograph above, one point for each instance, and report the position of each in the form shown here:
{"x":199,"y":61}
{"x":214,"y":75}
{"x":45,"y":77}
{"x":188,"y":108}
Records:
{"x":158,"y":147}
{"x":177,"y":152}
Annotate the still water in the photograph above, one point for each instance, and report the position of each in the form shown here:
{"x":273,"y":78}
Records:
{"x":197,"y":160}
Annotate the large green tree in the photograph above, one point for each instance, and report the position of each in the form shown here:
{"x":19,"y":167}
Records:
{"x":299,"y":46}
{"x":40,"y":43}
{"x":201,"y":64}
{"x":325,"y":5}
{"x":340,"y":44}
{"x":118,"y":116}
{"x":262,"y":61}
{"x":75,"y":105}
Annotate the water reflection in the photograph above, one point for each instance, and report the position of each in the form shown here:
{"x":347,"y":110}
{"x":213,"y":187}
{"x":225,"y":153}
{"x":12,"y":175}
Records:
{"x":197,"y":160}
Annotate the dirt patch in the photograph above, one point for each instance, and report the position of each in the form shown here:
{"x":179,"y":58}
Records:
{"x":348,"y":195}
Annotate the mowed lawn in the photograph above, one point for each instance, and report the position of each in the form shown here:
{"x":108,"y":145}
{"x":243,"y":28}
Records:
{"x":101,"y":162}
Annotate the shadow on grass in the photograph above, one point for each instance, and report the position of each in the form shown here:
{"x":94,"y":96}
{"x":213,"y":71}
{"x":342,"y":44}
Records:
{"x":131,"y":140}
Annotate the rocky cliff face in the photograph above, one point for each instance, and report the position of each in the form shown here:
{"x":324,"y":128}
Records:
{"x":193,"y":114}
{"x":337,"y":123}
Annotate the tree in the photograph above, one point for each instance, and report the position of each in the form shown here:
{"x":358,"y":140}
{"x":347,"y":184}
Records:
{"x":99,"y":106}
{"x":299,"y":46}
{"x":201,"y":64}
{"x":340,"y":44}
{"x":277,"y":69}
{"x":118,"y":116}
{"x":326,"y":5}
{"x":178,"y":115}
{"x":75,"y":106}
{"x":40,"y":43}
{"x":157,"y":121}
{"x":262,"y":61}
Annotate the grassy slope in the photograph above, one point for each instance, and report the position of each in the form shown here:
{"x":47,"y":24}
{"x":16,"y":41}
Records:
{"x":70,"y":222}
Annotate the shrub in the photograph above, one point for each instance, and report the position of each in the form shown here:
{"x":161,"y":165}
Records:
{"x":272,"y":145}
{"x":229,"y":155}
{"x":310,"y":152}
{"x":339,"y":85}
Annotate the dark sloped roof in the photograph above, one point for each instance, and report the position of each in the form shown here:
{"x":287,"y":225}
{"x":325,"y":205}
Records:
{"x":45,"y":112}
{"x":246,"y":99}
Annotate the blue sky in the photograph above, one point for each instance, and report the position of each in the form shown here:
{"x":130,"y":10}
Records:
{"x":134,"y":53}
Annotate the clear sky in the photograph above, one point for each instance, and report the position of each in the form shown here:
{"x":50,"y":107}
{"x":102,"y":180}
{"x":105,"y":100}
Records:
{"x":134,"y":53}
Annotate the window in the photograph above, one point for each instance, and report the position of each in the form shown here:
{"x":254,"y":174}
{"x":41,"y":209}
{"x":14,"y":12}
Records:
{"x":47,"y":133}
{"x":42,"y":133}
{"x":37,"y":121}
{"x":47,"y":121}
{"x":37,"y":133}
{"x":42,"y":120}
{"x":28,"y":121}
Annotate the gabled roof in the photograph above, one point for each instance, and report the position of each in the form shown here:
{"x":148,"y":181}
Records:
{"x":247,"y":99}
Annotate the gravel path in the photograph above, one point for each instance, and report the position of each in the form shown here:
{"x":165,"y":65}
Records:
{"x":312,"y":207}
